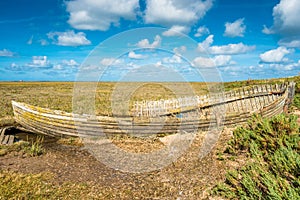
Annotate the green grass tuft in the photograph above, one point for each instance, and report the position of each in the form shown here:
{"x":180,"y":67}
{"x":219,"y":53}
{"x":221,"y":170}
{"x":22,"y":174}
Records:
{"x":36,"y":147}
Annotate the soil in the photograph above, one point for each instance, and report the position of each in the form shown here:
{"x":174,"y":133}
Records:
{"x":188,"y":177}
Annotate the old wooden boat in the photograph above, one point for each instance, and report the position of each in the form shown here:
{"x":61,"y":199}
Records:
{"x":230,"y":108}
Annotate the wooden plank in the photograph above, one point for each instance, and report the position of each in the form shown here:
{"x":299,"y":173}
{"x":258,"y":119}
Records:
{"x":1,"y":135}
{"x":2,"y":131}
{"x":5,"y":140}
{"x":11,"y":139}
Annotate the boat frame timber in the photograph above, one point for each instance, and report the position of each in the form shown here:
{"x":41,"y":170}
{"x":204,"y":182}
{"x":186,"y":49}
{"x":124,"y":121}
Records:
{"x":59,"y":123}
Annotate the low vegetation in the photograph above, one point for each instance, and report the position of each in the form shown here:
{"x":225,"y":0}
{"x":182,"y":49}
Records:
{"x":296,"y":101}
{"x":237,"y":84}
{"x":273,"y":168}
{"x":28,"y":148}
{"x":35,"y":148}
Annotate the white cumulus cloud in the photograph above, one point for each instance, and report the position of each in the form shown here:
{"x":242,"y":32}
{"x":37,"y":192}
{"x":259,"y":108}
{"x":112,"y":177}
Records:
{"x":58,"y":67}
{"x":71,"y":63}
{"x":100,"y":14}
{"x":176,"y":12}
{"x":289,"y":42}
{"x":286,"y":23}
{"x":6,"y":53}
{"x":238,"y":48}
{"x":175,"y":59}
{"x":103,"y":14}
{"x":179,"y":50}
{"x":267,"y":30}
{"x":205,"y":45}
{"x":146,"y":44}
{"x":285,"y":18}
{"x":110,"y":61}
{"x":134,"y":55}
{"x":39,"y":61}
{"x":217,"y":61}
{"x":66,"y":65}
{"x":235,"y":29}
{"x":43,"y":63}
{"x":176,"y":31}
{"x":229,"y":49}
{"x":202,"y":30}
{"x":275,"y":55}
{"x":69,"y":38}
{"x":285,"y":66}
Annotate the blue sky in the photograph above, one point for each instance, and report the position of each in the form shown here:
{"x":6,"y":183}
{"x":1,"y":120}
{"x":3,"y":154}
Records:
{"x":56,"y":40}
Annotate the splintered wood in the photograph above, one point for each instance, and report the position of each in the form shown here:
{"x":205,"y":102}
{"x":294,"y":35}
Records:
{"x":4,"y":138}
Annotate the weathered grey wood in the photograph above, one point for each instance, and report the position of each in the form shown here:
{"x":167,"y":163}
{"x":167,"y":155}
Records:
{"x":11,"y":139}
{"x":2,"y":130}
{"x":5,"y":139}
{"x":259,"y":100}
{"x":201,"y":115}
{"x":1,"y":135}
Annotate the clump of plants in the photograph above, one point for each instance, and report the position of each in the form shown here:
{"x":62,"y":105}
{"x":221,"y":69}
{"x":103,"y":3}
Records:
{"x":296,"y":101}
{"x":273,"y":170}
{"x":33,"y":148}
{"x":36,"y":147}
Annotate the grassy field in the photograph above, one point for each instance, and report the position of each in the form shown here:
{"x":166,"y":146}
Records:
{"x":262,"y":157}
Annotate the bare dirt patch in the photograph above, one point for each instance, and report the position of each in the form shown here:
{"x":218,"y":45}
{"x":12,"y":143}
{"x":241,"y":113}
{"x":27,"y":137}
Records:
{"x":187,"y":178}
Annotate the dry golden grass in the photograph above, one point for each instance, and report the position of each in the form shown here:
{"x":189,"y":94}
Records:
{"x":51,"y":95}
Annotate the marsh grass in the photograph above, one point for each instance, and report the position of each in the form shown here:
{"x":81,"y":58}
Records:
{"x":273,"y":168}
{"x":45,"y":94}
{"x":296,"y":101}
